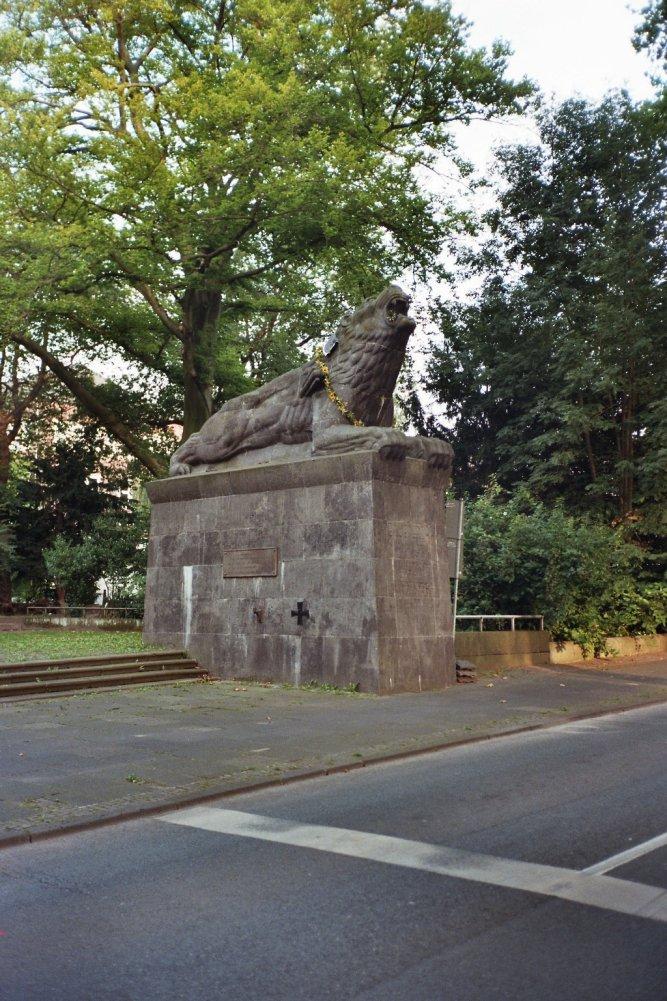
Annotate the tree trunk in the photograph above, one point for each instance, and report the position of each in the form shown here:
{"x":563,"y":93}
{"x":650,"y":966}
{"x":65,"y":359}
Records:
{"x":626,"y":439}
{"x":592,"y":465}
{"x":201,"y":313}
{"x":627,"y":455}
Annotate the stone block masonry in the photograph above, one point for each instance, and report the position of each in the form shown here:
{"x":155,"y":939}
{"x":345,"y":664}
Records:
{"x":360,"y":540}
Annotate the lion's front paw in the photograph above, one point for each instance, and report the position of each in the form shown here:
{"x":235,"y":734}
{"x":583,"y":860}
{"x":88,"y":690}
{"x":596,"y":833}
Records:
{"x":394,"y":446}
{"x":438,"y":454}
{"x":393,"y":452}
{"x":179,"y":469}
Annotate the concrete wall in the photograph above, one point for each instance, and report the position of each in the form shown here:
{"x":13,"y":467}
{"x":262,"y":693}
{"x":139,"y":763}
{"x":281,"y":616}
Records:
{"x":523,"y":648}
{"x":69,"y":622}
{"x":617,"y":646}
{"x":493,"y":650}
{"x":11,"y":623}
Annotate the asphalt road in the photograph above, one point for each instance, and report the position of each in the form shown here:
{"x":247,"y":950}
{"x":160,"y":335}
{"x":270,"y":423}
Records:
{"x":457,"y":876}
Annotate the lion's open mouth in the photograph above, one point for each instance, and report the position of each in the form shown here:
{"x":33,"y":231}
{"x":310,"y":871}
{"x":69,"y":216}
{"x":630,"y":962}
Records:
{"x":396,"y":311}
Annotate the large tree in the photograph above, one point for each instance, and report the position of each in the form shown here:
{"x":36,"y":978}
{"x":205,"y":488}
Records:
{"x":203,"y":184}
{"x":554,"y":370}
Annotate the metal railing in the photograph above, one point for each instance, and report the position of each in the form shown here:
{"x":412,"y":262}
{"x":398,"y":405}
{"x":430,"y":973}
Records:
{"x":511,"y":618}
{"x":86,"y":611}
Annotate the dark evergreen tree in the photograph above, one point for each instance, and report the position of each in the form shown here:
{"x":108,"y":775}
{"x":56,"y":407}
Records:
{"x":553,"y":375}
{"x":61,"y":492}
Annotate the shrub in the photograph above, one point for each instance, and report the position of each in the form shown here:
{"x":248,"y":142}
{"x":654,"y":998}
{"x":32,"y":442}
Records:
{"x":524,"y":558}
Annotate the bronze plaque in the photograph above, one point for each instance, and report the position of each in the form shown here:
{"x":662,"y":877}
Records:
{"x":249,"y":562}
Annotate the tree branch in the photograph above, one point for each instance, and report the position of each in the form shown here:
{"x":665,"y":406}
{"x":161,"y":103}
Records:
{"x":144,"y":289}
{"x":151,"y":359}
{"x":28,"y":399}
{"x":102,"y":413}
{"x":234,"y":242}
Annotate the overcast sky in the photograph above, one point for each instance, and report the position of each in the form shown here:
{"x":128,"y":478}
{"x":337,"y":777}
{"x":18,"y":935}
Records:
{"x":566,"y":46}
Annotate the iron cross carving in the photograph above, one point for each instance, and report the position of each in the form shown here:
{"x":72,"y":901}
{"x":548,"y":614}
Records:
{"x":301,"y":612}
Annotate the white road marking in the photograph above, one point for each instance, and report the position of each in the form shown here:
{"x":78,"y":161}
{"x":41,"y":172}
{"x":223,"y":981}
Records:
{"x":605,"y":892}
{"x":614,"y":861}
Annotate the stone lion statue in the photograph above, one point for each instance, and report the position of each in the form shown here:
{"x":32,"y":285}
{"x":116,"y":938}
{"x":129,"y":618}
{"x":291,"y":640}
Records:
{"x":341,"y":401}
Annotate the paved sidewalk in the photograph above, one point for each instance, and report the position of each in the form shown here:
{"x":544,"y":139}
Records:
{"x":86,"y":758}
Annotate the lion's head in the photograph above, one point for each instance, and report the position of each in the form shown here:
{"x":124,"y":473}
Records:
{"x":384,"y":318}
{"x":368,"y":353}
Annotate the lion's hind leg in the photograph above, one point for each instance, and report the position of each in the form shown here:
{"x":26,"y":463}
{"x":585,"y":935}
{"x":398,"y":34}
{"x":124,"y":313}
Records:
{"x":244,"y":431}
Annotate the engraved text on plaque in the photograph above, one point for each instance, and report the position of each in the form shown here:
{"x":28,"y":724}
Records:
{"x":250,"y":562}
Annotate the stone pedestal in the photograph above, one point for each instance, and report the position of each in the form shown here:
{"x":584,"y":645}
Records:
{"x":359,"y":540}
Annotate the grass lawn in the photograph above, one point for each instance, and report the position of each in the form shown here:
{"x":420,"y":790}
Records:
{"x":55,"y":644}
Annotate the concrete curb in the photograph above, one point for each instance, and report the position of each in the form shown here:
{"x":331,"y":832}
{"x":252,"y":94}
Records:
{"x":141,"y":813}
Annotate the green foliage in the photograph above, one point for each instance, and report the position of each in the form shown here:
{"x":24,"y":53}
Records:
{"x":56,"y":497}
{"x":651,"y":33}
{"x":113,"y":549}
{"x":201,"y":188}
{"x":524,"y":557}
{"x":553,"y":372}
{"x":73,"y":568}
{"x":641,"y":610}
{"x":351,"y":689}
{"x":121,"y":544}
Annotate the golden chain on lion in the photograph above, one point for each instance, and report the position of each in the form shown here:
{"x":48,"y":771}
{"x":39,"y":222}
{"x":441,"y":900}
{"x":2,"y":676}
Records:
{"x":331,"y":392}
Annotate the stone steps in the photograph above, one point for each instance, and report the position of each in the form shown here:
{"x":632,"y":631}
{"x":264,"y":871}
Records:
{"x":39,"y":678}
